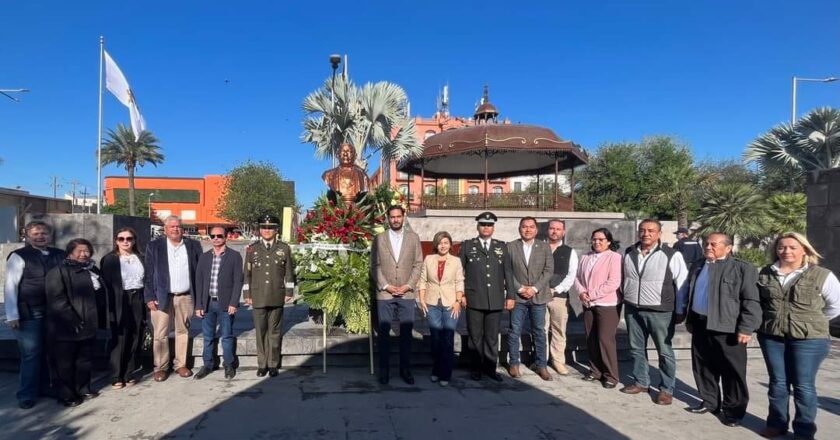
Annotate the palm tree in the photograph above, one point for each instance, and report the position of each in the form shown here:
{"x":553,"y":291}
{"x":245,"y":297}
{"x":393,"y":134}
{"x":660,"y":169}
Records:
{"x":121,"y":149}
{"x":813,"y":143}
{"x":372,"y":118}
{"x":737,"y":209}
{"x":787,"y":212}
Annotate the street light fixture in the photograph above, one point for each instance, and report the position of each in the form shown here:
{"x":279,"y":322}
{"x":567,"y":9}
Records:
{"x":150,"y":205}
{"x":793,"y":97}
{"x":5,"y":92}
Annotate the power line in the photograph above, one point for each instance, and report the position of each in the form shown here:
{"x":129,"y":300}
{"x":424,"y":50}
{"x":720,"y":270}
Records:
{"x":55,"y":186}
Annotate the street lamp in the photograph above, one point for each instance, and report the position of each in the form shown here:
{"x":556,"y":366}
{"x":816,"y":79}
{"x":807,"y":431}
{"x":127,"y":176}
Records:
{"x":5,"y":92}
{"x":793,"y":98}
{"x":150,"y":205}
{"x":335,"y":60}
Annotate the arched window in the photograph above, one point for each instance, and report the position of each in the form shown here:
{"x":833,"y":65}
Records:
{"x":497,"y":190}
{"x":473,"y":189}
{"x":428,"y":134}
{"x":429,"y":190}
{"x":404,"y":189}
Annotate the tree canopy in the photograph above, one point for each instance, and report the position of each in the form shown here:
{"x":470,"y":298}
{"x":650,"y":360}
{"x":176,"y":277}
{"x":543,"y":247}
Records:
{"x":254,"y":189}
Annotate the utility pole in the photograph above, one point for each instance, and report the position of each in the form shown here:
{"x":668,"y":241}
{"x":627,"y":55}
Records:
{"x":85,"y":203}
{"x":73,"y":183}
{"x":55,"y":186}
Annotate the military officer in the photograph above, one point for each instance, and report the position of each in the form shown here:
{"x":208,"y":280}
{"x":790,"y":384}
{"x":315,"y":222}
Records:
{"x":484,"y":273}
{"x":269,"y":284}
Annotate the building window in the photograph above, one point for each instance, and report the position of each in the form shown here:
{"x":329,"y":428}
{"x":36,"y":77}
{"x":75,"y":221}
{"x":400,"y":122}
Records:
{"x":188,"y":214}
{"x":452,"y":186}
{"x":403,"y":176}
{"x":473,"y":189}
{"x":429,"y":190}
{"x":517,"y":186}
{"x":497,"y":190}
{"x":162,"y":213}
{"x":404,"y":189}
{"x":428,"y":134}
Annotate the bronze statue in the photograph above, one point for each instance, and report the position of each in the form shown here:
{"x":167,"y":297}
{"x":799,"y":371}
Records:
{"x":347,"y":180}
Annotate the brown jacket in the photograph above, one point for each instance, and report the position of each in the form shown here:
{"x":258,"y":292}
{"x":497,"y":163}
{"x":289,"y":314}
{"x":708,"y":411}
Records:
{"x":391,"y":270}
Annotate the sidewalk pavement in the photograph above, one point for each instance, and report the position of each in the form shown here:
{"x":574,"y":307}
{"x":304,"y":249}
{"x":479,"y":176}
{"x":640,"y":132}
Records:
{"x":348,"y":403}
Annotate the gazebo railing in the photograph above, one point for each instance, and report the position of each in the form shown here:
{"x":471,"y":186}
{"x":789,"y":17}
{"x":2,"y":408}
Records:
{"x":523,"y":201}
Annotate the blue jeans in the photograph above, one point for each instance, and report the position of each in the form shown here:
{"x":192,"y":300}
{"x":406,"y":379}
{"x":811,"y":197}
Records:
{"x":659,"y":326}
{"x":442,"y":329}
{"x":34,"y":375}
{"x":217,"y":313}
{"x":517,"y":318}
{"x":793,"y":363}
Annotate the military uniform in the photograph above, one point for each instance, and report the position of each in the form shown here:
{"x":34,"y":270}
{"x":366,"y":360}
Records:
{"x":270,"y":278}
{"x":484,"y":289}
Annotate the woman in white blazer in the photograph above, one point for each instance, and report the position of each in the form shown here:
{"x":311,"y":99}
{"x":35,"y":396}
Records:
{"x":441,"y":292}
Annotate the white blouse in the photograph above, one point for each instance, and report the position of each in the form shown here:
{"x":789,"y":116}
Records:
{"x":131,"y":269}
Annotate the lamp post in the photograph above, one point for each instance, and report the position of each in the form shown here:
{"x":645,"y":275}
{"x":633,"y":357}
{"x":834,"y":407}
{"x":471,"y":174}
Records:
{"x":335,"y":60}
{"x":5,"y":92}
{"x":793,"y":96}
{"x":150,"y":205}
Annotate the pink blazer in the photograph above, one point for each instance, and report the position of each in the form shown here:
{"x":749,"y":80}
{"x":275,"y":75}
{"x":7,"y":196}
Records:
{"x":604,"y":280}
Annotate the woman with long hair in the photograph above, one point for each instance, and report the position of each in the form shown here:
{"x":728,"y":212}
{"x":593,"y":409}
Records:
{"x":123,"y":272}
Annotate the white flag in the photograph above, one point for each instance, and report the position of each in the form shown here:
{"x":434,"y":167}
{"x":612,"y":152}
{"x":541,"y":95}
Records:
{"x":116,"y":83}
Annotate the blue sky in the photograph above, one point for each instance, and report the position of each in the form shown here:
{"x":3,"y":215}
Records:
{"x":714,"y":73}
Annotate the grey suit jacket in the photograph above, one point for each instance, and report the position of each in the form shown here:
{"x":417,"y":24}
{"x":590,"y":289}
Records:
{"x":537,"y":272}
{"x":396,"y":270}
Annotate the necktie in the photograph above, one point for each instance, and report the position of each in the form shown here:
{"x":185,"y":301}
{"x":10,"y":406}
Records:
{"x":486,"y":246}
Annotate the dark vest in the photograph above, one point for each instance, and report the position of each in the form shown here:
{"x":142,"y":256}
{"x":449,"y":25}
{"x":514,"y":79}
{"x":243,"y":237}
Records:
{"x":561,"y":260}
{"x":793,"y":311}
{"x":32,"y":291}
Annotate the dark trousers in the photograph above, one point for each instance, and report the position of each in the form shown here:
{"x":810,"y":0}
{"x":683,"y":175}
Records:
{"x":483,"y":327}
{"x":718,"y":360}
{"x":73,"y":361}
{"x":267,"y":322}
{"x":389,"y":310}
{"x":127,"y":337}
{"x":600,"y":324}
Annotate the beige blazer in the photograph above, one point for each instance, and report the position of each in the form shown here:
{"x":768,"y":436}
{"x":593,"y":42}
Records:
{"x":451,"y":282}
{"x":396,"y":270}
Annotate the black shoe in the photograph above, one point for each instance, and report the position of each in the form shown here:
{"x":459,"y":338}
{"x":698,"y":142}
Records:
{"x":229,"y":372}
{"x":91,"y":395}
{"x":730,"y":421}
{"x":202,"y":373}
{"x":71,"y":403}
{"x":26,"y":404}
{"x":608,"y":385}
{"x":272,"y":372}
{"x":495,"y":376}
{"x":383,"y":378}
{"x":475,"y":375}
{"x":589,"y":378}
{"x":700,"y":409}
{"x":405,"y":374}
{"x":261,"y":372}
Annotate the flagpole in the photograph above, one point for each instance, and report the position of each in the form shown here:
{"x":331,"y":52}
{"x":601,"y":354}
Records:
{"x":99,"y":138}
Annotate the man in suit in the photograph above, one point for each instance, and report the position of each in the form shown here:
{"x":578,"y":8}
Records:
{"x":528,"y":273}
{"x":565,"y":269}
{"x":26,"y":300}
{"x":269,"y":284}
{"x":169,"y":293}
{"x":724,"y":311}
{"x":397,"y":261}
{"x":484,"y":295}
{"x":218,"y":281}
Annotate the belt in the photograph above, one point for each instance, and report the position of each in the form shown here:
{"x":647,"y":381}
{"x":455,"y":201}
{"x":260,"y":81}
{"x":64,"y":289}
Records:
{"x":133,"y":291}
{"x":181,"y":293}
{"x":699,"y":317}
{"x":214,"y":298}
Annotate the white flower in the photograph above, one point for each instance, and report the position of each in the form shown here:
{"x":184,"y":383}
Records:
{"x":313,"y":267}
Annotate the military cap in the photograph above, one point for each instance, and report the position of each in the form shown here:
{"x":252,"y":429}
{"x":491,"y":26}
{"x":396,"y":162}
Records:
{"x":268,"y":220}
{"x":486,"y":217}
{"x":682,"y":231}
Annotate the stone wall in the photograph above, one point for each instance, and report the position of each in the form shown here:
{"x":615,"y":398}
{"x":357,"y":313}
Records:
{"x":823,"y":190}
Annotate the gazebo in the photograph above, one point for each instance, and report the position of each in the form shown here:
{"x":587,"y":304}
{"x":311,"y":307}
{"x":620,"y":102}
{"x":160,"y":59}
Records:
{"x":489,"y":151}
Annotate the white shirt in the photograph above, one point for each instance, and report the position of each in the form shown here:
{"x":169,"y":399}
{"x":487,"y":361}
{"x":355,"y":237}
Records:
{"x":526,"y":248}
{"x":14,"y":273}
{"x":569,"y":280}
{"x":131,"y":270}
{"x":396,"y":242}
{"x":486,"y":243}
{"x":830,"y":289}
{"x":179,"y":267}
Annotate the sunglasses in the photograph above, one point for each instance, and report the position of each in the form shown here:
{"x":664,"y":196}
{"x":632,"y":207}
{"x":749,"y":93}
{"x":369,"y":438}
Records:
{"x":214,"y":236}
{"x":122,"y":239}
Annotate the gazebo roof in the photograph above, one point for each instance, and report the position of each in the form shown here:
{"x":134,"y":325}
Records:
{"x":511,"y":149}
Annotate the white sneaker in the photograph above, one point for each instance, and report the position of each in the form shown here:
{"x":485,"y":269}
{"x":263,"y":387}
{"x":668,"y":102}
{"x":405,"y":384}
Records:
{"x":444,"y":383}
{"x":433,"y":378}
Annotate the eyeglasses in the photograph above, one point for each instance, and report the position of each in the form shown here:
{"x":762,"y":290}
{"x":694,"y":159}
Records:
{"x":214,"y":236}
{"x":122,"y":239}
{"x":486,"y":225}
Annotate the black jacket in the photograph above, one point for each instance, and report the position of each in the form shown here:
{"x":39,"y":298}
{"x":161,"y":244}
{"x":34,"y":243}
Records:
{"x":157,"y":270}
{"x":733,"y":296}
{"x":112,"y":276}
{"x":229,"y":281}
{"x":74,"y":309}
